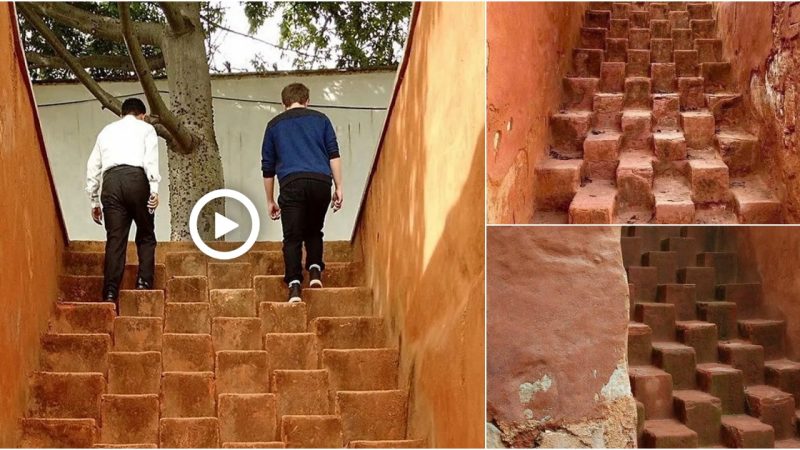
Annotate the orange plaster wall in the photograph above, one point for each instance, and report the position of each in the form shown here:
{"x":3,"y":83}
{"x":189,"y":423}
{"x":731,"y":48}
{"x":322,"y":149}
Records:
{"x":421,"y":229}
{"x":31,"y":234}
{"x":530,"y":50}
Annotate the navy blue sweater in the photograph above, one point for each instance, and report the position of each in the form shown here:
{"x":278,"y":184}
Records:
{"x":299,"y":143}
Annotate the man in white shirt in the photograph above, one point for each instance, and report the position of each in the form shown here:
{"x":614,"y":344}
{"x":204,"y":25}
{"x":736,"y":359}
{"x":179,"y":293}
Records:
{"x":125,"y":158}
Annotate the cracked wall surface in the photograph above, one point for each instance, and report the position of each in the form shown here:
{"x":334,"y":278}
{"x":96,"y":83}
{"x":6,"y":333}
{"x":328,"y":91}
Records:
{"x":557,"y":339}
{"x":763,"y":39}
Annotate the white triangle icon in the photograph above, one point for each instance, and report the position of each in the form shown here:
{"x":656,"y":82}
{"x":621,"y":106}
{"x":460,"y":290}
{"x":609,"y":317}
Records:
{"x":223,"y":225}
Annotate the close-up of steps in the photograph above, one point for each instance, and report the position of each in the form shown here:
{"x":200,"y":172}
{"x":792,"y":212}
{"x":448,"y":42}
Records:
{"x":214,"y":356}
{"x":651,"y":127}
{"x":707,"y":358}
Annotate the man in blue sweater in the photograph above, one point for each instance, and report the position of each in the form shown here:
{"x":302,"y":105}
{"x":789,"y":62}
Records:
{"x":300,"y":148}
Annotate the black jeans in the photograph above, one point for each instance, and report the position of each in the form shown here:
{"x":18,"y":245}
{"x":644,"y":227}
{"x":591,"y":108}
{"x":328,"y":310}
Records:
{"x":303,"y":204}
{"x":124,"y":197}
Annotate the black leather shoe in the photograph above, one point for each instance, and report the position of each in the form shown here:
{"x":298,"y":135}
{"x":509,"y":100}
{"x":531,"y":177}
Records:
{"x":295,"y":292}
{"x":141,"y":284}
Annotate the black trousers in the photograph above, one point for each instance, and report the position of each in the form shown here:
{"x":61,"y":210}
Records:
{"x":303,"y":204}
{"x":124,"y":197}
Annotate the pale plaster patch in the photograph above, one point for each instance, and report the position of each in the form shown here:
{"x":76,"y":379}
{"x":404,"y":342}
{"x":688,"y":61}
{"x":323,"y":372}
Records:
{"x":493,"y":437}
{"x":526,"y":390}
{"x":618,"y":383}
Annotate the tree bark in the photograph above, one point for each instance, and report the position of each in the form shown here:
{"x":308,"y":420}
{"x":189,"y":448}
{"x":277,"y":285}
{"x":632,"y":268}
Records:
{"x":192,"y":175}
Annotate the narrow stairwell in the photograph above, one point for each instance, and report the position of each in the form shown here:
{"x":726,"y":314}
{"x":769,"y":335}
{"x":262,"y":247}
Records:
{"x":706,"y":356}
{"x":650,"y":129}
{"x":214,"y":356}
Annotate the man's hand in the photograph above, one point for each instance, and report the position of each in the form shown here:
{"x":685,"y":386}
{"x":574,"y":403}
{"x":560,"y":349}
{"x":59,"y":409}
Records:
{"x":337,"y":198}
{"x":274,"y":210}
{"x":97,"y":215}
{"x":152,"y":202}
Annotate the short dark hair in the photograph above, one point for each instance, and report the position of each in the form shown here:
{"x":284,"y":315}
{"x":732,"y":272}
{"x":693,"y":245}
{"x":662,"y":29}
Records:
{"x":294,"y":93}
{"x":133,"y":106}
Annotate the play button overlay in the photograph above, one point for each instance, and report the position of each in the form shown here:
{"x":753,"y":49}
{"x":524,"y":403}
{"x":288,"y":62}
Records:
{"x":224,"y":225}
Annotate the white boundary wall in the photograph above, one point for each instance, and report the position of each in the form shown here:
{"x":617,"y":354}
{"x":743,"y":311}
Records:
{"x":70,"y":125}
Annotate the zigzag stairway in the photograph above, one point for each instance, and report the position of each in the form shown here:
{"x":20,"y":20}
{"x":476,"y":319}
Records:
{"x":214,"y":356}
{"x":708,"y":359}
{"x":651,"y":128}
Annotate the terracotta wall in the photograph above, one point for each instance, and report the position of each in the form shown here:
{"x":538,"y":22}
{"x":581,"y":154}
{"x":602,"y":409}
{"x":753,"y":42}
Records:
{"x":762,"y":40}
{"x":31,"y":233}
{"x":774,"y":254}
{"x":421,"y":226}
{"x":530,"y":50}
{"x":557,"y":318}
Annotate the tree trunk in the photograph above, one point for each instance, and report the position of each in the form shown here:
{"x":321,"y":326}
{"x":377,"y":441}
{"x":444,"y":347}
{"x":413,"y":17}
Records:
{"x":192,"y":175}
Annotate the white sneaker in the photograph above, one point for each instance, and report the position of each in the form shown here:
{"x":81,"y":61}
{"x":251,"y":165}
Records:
{"x":315,"y":274}
{"x":294,"y":292}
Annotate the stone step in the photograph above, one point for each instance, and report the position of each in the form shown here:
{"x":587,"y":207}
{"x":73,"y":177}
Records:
{"x":601,"y":151}
{"x":186,"y":264}
{"x":716,"y":75}
{"x":236,"y":333}
{"x":668,"y":433}
{"x":594,"y":203}
{"x":189,"y":432}
{"x":558,"y":181}
{"x":738,"y":150}
{"x":664,"y":73}
{"x":755,"y":202}
{"x":686,"y":60}
{"x":137,"y":334}
{"x":709,"y":181}
{"x":773,"y":407}
{"x":639,"y":344}
{"x":725,"y":383}
{"x":142,"y":303}
{"x":700,"y":412}
{"x":349,"y":332}
{"x":721,"y":314}
{"x":578,"y":93}
{"x":338,"y":302}
{"x":129,"y":419}
{"x":703,"y":278}
{"x":769,"y":334}
{"x":784,"y":375}
{"x":723,"y":105}
{"x":362,"y":369}
{"x":230,"y":275}
{"x":291,"y":351}
{"x":75,"y":353}
{"x":742,"y":431}
{"x":302,"y":392}
{"x":372,"y":415}
{"x":673,"y":200}
{"x":248,"y":417}
{"x":631,"y":251}
{"x":187,"y":352}
{"x":233,"y":302}
{"x":724,"y":264}
{"x":700,"y":10}
{"x":666,"y":118}
{"x":137,"y":445}
{"x":701,"y":336}
{"x":653,"y":388}
{"x":89,"y":288}
{"x":187,"y":318}
{"x":638,"y":62}
{"x":637,"y":124}
{"x":272,"y":288}
{"x":134,"y":372}
{"x":593,"y":37}
{"x":746,"y":357}
{"x":600,"y":19}
{"x":612,"y":77}
{"x":83,"y":318}
{"x":273,"y":444}
{"x":415,"y":443}
{"x":682,"y":296}
{"x":187,"y":289}
{"x":747,"y":297}
{"x":586,"y":62}
{"x":283,"y":317}
{"x":686,"y":249}
{"x":66,"y":395}
{"x":187,"y":394}
{"x":678,"y":360}
{"x":660,"y":317}
{"x":91,"y":264}
{"x":242,"y":372}
{"x":646,"y":281}
{"x":308,"y":431}
{"x":58,"y":433}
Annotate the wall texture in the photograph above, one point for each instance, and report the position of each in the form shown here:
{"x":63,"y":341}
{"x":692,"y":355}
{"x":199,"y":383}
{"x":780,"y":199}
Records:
{"x":762,"y":40}
{"x":530,"y":50}
{"x":70,"y":131}
{"x":774,"y":252}
{"x":31,"y":233}
{"x":557,"y":318}
{"x":421,"y":227}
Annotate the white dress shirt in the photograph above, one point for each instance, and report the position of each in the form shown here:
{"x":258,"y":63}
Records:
{"x":127,"y":141}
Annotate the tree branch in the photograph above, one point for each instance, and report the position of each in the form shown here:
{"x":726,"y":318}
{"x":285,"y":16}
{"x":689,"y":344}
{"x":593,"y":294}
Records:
{"x":100,"y":26}
{"x":107,"y":100}
{"x":177,"y":21}
{"x":40,"y":61}
{"x":182,"y":136}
